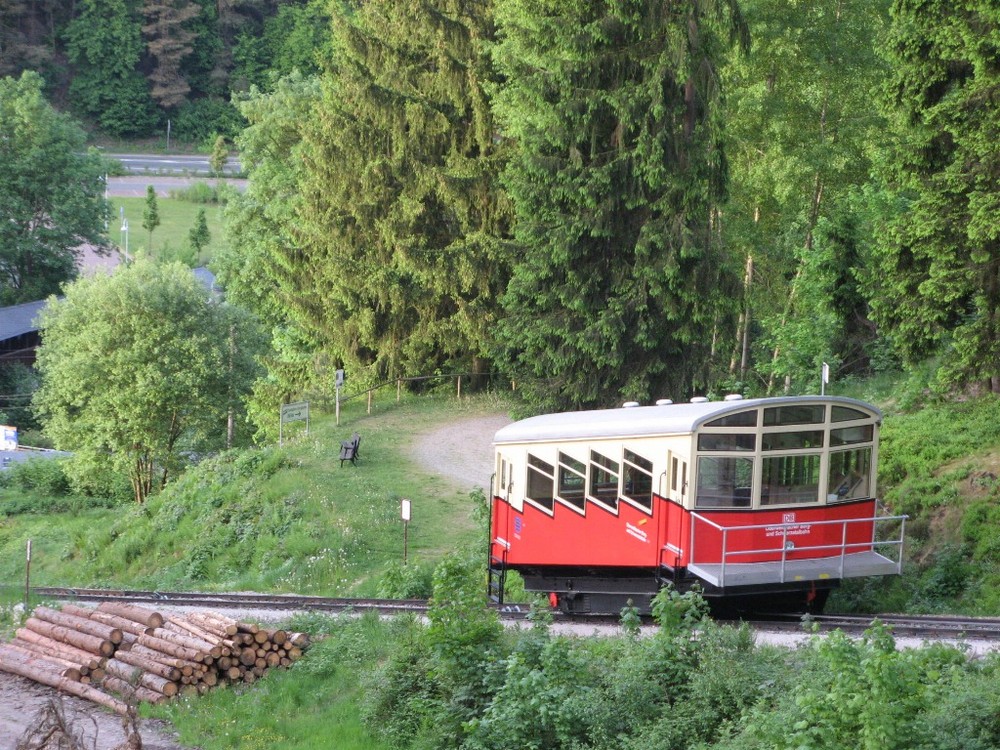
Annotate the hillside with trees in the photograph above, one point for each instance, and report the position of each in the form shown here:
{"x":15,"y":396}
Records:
{"x":618,"y":201}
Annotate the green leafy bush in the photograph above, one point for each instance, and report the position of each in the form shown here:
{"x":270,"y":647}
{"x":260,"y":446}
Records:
{"x":406,"y":582}
{"x":201,"y":192}
{"x":45,"y":476}
{"x":979,"y":525}
{"x":202,"y":119}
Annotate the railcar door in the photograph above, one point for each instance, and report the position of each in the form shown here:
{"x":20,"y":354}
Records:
{"x":673,"y":523}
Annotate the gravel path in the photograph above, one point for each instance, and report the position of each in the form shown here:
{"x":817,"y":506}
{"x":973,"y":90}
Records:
{"x":461,"y":451}
{"x":21,"y":701}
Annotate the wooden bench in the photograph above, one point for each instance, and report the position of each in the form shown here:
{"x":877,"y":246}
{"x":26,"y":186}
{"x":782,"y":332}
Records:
{"x":349,"y":449}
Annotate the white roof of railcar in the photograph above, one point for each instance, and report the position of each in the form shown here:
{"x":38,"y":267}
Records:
{"x":645,"y":421}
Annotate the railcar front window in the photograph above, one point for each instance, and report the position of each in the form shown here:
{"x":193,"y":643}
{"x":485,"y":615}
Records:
{"x":604,"y":480}
{"x":724,"y":482}
{"x":541,"y":482}
{"x":637,"y":479}
{"x":732,"y":441}
{"x":786,"y":441}
{"x":850,"y":475}
{"x":847,"y":435}
{"x":845,"y":414}
{"x":790,"y":480}
{"x":740,"y":419}
{"x":789,"y":415}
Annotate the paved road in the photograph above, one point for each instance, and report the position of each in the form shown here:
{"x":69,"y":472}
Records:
{"x":134,"y":186}
{"x":173,"y":164}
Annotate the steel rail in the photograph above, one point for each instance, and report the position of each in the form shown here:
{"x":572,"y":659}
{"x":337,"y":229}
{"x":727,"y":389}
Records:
{"x":921,"y":626}
{"x":930,"y":627}
{"x":248,"y":600}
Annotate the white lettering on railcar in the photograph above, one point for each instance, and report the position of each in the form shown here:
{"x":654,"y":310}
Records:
{"x":636,"y":532}
{"x":798,"y":530}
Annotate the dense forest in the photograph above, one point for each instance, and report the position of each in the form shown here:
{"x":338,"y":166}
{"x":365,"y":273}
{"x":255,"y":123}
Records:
{"x":594,"y":200}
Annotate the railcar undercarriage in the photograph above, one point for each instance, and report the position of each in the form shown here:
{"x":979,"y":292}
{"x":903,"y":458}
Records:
{"x":576,"y":590}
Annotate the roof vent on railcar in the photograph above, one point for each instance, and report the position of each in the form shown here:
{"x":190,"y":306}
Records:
{"x":733,"y":397}
{"x":664,"y":402}
{"x":699,"y":400}
{"x":630,"y":404}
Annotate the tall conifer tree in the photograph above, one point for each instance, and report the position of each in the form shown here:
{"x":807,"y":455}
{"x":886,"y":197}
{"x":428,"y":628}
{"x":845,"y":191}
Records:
{"x":621,"y":284}
{"x":400,"y":255}
{"x":939,"y":289}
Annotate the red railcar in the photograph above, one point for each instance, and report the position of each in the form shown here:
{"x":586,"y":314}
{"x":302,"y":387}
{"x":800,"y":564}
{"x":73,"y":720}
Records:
{"x":763,"y":503}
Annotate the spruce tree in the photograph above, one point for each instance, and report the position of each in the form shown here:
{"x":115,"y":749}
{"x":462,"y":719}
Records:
{"x":621,"y":285}
{"x":150,"y":215}
{"x":400,"y":252}
{"x":938,"y":291}
{"x":199,"y":236}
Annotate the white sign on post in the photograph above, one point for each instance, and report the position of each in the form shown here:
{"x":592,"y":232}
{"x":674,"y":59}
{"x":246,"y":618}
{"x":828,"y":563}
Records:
{"x":406,"y":510}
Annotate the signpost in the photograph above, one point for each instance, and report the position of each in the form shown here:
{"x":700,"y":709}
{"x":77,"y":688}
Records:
{"x":297,"y":412}
{"x":405,"y":510}
{"x":27,"y":579}
{"x":338,"y":383}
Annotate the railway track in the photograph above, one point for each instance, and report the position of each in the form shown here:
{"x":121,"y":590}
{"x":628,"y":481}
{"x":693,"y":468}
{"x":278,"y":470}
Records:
{"x":225,"y":601}
{"x":930,"y":627}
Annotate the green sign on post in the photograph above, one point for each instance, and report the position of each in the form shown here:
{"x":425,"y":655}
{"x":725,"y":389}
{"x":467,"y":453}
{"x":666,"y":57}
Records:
{"x":297,"y":412}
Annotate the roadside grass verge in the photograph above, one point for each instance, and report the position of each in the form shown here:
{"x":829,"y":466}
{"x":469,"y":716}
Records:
{"x":170,"y":239}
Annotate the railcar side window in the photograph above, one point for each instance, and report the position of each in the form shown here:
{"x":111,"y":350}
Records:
{"x":790,"y":479}
{"x":637,"y":479}
{"x":787,"y":415}
{"x":603,"y":480}
{"x":850,"y":475}
{"x":503,"y":473}
{"x":724,"y":482}
{"x":572,"y":481}
{"x":541,"y":482}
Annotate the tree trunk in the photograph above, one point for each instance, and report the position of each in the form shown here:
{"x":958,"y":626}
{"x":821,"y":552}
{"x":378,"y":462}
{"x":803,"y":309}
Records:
{"x":144,"y":616}
{"x":136,"y":676}
{"x":52,"y":679}
{"x":133,"y":692}
{"x":84,"y":641}
{"x":81,"y":624}
{"x":58,"y":648}
{"x":149,"y":665}
{"x":65,"y":668}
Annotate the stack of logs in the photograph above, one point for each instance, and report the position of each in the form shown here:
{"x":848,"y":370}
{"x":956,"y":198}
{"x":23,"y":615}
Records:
{"x":141,"y":654}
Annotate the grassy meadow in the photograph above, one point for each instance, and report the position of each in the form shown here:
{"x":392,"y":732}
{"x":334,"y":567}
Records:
{"x":270,"y":519}
{"x":170,"y":239}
